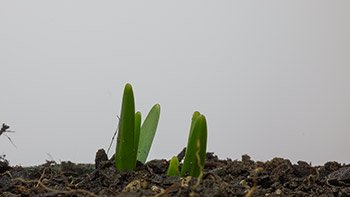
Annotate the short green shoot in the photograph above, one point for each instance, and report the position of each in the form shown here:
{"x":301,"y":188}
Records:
{"x":173,"y":169}
{"x":196,"y":148}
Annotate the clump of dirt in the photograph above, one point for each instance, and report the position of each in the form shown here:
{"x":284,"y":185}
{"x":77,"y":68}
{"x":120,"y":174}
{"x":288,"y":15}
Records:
{"x":245,"y":177}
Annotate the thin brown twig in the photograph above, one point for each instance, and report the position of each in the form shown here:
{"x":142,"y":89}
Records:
{"x":115,"y":133}
{"x":166,"y":191}
{"x":41,"y":177}
{"x":72,"y":191}
{"x":10,"y":140}
{"x":6,"y":173}
{"x":201,"y":167}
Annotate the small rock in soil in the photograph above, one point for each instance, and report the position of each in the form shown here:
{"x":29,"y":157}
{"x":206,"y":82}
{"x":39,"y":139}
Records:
{"x":340,"y":177}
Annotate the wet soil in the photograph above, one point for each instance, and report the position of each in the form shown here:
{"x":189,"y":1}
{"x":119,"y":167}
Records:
{"x":245,"y":177}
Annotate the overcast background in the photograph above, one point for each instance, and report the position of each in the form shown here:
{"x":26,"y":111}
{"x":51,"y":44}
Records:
{"x":272,"y":77}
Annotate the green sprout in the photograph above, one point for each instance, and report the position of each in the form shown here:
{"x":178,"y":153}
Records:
{"x":196,"y":147}
{"x":134,"y":141}
{"x":173,"y":169}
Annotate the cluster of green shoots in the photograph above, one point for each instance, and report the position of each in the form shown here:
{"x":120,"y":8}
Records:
{"x":195,"y":152}
{"x":135,"y":139}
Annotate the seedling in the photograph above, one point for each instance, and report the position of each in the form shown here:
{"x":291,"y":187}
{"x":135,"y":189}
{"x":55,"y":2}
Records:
{"x":134,"y":141}
{"x":196,"y":148}
{"x":173,"y":169}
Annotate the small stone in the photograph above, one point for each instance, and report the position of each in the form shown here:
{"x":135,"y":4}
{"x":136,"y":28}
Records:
{"x":185,"y":181}
{"x":157,"y":189}
{"x":340,"y":177}
{"x":144,"y":184}
{"x":278,"y":192}
{"x":133,"y":186}
{"x":100,"y":157}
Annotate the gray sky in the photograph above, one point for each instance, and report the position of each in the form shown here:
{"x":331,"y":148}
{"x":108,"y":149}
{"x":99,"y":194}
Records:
{"x":272,"y":77}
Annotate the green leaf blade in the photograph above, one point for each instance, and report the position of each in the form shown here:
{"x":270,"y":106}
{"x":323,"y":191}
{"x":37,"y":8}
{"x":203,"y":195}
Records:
{"x":147,"y":133}
{"x":124,"y":159}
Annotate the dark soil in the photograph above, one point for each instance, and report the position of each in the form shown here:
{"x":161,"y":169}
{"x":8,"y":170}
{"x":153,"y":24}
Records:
{"x":278,"y":177}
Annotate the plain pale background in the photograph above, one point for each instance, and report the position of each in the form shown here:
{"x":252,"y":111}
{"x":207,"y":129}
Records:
{"x":272,"y":77}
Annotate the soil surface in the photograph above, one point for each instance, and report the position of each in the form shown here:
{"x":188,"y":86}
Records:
{"x":278,"y":177}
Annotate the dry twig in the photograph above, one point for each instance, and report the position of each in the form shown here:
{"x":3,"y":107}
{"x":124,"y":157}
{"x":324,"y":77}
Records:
{"x":3,"y":130}
{"x":115,"y":133}
{"x":55,"y":191}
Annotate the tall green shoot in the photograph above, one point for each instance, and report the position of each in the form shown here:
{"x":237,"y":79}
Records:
{"x":125,"y":158}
